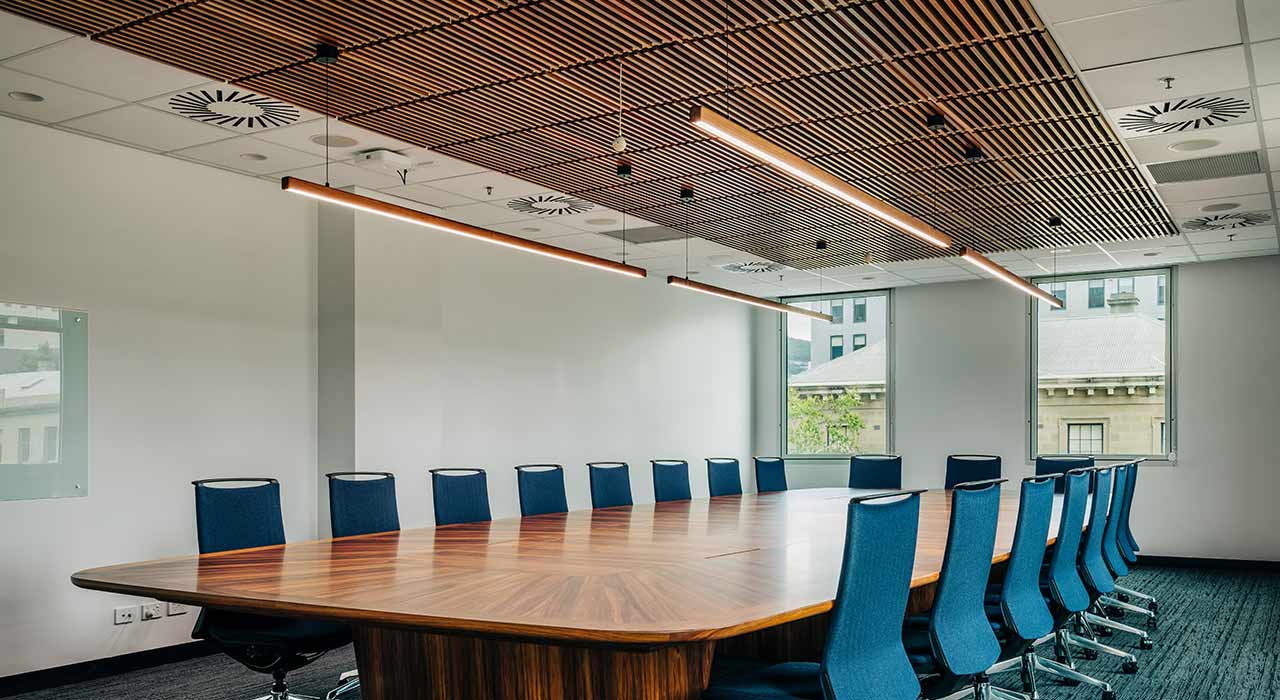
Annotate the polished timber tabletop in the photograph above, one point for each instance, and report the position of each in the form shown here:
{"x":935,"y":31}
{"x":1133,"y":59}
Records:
{"x":650,"y":573}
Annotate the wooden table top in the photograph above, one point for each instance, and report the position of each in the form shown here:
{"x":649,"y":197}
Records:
{"x":646,"y":574}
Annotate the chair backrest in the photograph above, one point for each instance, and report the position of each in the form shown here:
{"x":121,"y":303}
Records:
{"x":864,"y":655}
{"x":1111,"y":533}
{"x":1021,"y":603}
{"x":541,"y":489}
{"x":959,"y":630}
{"x":1128,"y":545}
{"x":962,"y":468}
{"x":240,"y":517}
{"x":610,"y":484}
{"x":875,"y":472}
{"x":1093,"y":568}
{"x":460,"y":495}
{"x":1065,"y":586}
{"x":362,"y":506}
{"x":723,"y":477}
{"x":670,"y":480}
{"x":1048,"y":465}
{"x":771,"y":474}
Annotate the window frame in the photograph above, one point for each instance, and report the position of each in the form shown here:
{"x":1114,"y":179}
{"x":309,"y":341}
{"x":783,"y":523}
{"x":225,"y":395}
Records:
{"x":1087,"y":423}
{"x":859,"y":307}
{"x":891,"y":385}
{"x":832,"y":346}
{"x":1170,"y":457}
{"x":1102,"y":303}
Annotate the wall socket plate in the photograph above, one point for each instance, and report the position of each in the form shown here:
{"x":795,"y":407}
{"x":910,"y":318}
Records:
{"x":177,"y":609}
{"x":126,"y":614}
{"x":152,"y":611}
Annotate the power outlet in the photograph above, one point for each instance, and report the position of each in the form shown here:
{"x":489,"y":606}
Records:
{"x":178,"y":609}
{"x":152,"y":611}
{"x":126,"y":614}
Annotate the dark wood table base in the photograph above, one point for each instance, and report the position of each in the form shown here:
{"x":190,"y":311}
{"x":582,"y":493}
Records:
{"x":403,"y":664}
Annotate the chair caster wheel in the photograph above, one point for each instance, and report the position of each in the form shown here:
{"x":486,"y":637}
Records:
{"x":1152,"y":624}
{"x":1122,"y":597}
{"x":1146,"y":645}
{"x":1089,"y":655}
{"x":1115,"y":613}
{"x":1108,"y":695}
{"x":1130,"y":667}
{"x":1103,"y":632}
{"x":1153,"y":607}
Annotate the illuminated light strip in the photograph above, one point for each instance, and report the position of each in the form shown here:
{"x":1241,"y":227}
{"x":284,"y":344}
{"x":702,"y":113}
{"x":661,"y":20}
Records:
{"x":1107,"y":253}
{"x":771,"y":153}
{"x":412,"y":216}
{"x":677,"y":281}
{"x":983,"y":263}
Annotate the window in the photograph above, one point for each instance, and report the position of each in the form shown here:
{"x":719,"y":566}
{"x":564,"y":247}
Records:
{"x":24,"y":445}
{"x":837,"y":312}
{"x":830,"y":407}
{"x":50,"y":443}
{"x":1101,"y":383}
{"x":837,"y":346}
{"x":1097,"y":294}
{"x":1060,"y":291}
{"x":1084,"y":439}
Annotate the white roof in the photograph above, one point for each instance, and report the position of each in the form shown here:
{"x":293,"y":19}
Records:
{"x":23,"y":385}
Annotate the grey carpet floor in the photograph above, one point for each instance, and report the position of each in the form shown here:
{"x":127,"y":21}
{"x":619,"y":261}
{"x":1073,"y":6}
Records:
{"x":1219,"y":637}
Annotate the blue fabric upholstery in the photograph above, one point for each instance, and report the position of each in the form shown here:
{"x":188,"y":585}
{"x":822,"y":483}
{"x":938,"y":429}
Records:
{"x":1065,"y":587}
{"x":864,"y":655}
{"x":961,"y":636}
{"x":1047,"y":465}
{"x":362,"y":506}
{"x":875,"y":472}
{"x":962,"y":468}
{"x":460,"y":496}
{"x":771,"y":474}
{"x":610,"y":484}
{"x":1129,"y":546}
{"x":541,"y":489}
{"x":1111,"y":534}
{"x":1093,"y":568}
{"x":1022,"y":605}
{"x":670,"y":480}
{"x":723,"y":477}
{"x":230,"y":518}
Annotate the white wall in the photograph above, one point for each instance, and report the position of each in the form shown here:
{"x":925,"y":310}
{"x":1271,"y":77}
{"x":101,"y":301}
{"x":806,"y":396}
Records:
{"x":472,"y":355}
{"x":961,"y":373}
{"x":200,"y":292}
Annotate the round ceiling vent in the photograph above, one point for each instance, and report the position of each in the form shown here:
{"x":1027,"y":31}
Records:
{"x":1184,"y":115}
{"x":752,"y":267}
{"x":550,"y":204}
{"x":235,"y":109}
{"x":1221,"y":222}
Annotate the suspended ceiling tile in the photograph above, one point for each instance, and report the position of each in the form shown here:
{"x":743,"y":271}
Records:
{"x":1263,"y":17}
{"x":1151,"y":31}
{"x":345,"y":140}
{"x":232,"y":108}
{"x":99,"y":68}
{"x":1193,"y":73}
{"x":20,"y":35}
{"x":58,"y":102}
{"x":429,"y":195}
{"x":488,"y":186}
{"x":1056,"y":11}
{"x":1273,"y":158}
{"x":1271,"y":132}
{"x":1232,"y":256}
{"x":1266,"y":61}
{"x":1191,"y":209}
{"x":1238,"y":234}
{"x":147,"y":128}
{"x":430,"y":165}
{"x":483,"y":214}
{"x":343,"y":175}
{"x":1166,"y":147}
{"x":1211,"y":189}
{"x":1266,"y":245}
{"x":250,"y":155}
{"x":539,"y":229}
{"x":1269,"y":101}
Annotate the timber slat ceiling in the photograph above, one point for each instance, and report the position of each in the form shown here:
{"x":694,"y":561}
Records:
{"x":529,"y":88}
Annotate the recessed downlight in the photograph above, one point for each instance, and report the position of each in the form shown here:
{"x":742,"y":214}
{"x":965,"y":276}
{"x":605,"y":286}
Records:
{"x":253,"y":156}
{"x":1192,"y":145}
{"x":1151,"y":254}
{"x":334,"y":141}
{"x":26,"y":96}
{"x":1221,"y":206}
{"x":530,"y":229}
{"x":602,"y":222}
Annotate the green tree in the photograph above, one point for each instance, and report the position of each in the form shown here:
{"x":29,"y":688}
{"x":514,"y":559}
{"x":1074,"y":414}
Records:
{"x":43,"y":357}
{"x":823,"y":424}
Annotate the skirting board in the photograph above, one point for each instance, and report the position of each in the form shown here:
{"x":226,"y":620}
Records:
{"x":1209,"y":563}
{"x":45,"y":679}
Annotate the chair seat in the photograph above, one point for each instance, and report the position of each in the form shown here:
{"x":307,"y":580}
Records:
{"x":297,"y":636}
{"x":744,"y":679}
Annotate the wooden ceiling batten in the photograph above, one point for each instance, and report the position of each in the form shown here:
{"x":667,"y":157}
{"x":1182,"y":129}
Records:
{"x":528,"y":87}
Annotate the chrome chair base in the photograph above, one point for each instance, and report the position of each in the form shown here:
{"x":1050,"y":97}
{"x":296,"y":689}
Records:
{"x":1139,"y":595}
{"x":1091,"y":619}
{"x":1030,"y":663}
{"x":347,"y":682}
{"x":286,"y":695}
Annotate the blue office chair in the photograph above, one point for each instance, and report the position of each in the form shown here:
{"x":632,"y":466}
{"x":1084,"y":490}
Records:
{"x":954,"y":645}
{"x":1113,"y":604}
{"x":875,"y":472}
{"x":610,"y":484}
{"x":771,"y":474}
{"x":864,"y":656}
{"x":1108,"y":499}
{"x":360,"y":506}
{"x":670,"y":480}
{"x":1050,"y":465}
{"x":723,"y":477}
{"x":965,"y":468}
{"x":541,"y":489}
{"x":229,"y":518}
{"x":460,"y":496}
{"x":1129,"y":546}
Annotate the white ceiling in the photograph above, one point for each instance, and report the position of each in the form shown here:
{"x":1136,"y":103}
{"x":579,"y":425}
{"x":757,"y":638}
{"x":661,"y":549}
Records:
{"x":105,"y":93}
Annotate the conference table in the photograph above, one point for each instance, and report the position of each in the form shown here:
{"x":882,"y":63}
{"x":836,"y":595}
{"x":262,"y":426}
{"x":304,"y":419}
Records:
{"x":617,"y":603}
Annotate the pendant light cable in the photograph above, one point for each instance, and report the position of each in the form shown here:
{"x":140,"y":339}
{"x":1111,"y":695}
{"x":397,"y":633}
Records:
{"x":326,"y":125}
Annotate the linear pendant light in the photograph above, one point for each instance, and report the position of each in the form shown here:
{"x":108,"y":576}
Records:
{"x":412,"y":216}
{"x":770,"y":153}
{"x":684,"y":282}
{"x":982,"y":262}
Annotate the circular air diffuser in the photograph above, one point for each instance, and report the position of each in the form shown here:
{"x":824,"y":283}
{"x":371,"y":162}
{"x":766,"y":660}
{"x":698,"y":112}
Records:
{"x":235,"y":109}
{"x":752,"y":267}
{"x":550,"y":205}
{"x":1222,"y":222}
{"x":1184,"y":115}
